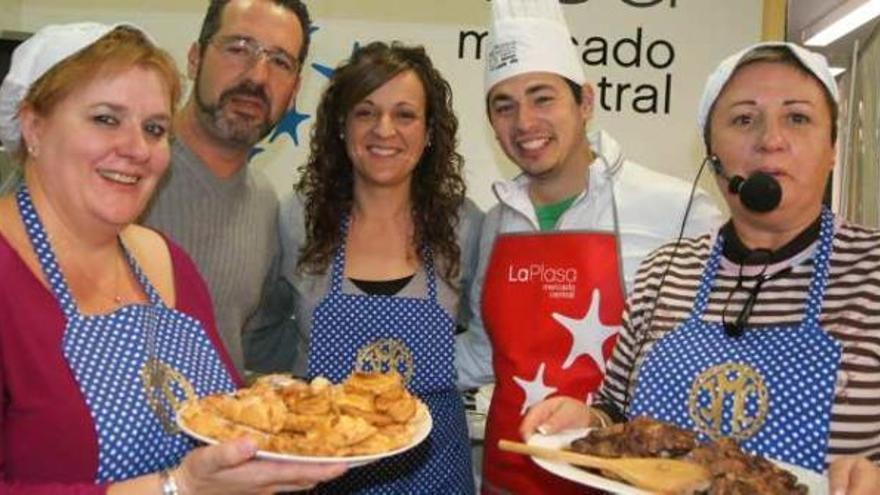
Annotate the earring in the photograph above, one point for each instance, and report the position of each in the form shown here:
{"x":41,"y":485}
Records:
{"x":341,"y":136}
{"x":32,"y":150}
{"x":428,"y":141}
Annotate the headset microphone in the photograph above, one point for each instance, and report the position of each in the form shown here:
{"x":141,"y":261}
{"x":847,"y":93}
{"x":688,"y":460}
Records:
{"x":759,"y":192}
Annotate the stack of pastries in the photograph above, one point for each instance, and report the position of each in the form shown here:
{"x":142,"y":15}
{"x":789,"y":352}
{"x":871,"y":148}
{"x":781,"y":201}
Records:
{"x":368,"y":413}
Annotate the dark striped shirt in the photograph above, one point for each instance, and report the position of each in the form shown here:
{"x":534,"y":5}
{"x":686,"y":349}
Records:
{"x":850,"y":313}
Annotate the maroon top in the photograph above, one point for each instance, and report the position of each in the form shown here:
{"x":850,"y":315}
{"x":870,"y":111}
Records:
{"x":48,"y":444}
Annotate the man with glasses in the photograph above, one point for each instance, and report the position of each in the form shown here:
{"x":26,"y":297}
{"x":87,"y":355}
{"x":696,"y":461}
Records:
{"x":246,"y":72}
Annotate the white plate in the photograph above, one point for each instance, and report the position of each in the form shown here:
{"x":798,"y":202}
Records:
{"x":422,"y":425}
{"x":816,"y":483}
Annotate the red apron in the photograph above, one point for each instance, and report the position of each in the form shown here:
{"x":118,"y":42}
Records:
{"x":552,"y":306}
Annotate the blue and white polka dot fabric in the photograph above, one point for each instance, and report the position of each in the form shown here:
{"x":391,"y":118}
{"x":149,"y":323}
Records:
{"x":343,"y":324}
{"x":105,"y":353}
{"x":772,"y":386}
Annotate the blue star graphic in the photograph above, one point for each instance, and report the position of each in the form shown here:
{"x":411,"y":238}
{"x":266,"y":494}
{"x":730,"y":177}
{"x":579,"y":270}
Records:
{"x":327,"y":71}
{"x":288,"y":125}
{"x":323,"y":70}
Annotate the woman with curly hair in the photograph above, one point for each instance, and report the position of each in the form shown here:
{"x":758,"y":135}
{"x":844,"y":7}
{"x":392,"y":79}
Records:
{"x":379,"y":248}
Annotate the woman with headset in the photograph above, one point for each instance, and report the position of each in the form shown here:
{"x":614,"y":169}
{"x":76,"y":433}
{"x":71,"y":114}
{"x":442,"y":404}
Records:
{"x":784,"y":299}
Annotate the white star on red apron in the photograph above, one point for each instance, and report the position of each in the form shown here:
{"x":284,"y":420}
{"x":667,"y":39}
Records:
{"x":589,"y":334}
{"x":536,"y":390}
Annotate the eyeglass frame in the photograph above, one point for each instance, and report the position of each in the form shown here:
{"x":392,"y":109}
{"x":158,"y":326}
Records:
{"x":254,"y":50}
{"x":738,"y":326}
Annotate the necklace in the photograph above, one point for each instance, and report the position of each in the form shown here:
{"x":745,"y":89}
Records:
{"x":118,"y":299}
{"x":117,"y":294}
{"x":83,"y":282}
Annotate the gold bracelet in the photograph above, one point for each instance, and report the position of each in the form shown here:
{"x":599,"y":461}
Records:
{"x":168,"y":483}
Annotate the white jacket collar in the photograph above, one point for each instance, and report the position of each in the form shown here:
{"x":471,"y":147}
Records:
{"x":606,"y":164}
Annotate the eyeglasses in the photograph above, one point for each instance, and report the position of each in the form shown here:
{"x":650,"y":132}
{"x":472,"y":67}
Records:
{"x":245,"y":52}
{"x":738,"y":326}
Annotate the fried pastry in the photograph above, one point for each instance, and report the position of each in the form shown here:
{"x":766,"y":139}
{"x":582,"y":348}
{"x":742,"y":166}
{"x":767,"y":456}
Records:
{"x":373,"y":383}
{"x":360,"y":402}
{"x":278,"y":381}
{"x":302,"y":423}
{"x":374,"y":418}
{"x":368,"y":413}
{"x":260,"y":409}
{"x":400,"y":409}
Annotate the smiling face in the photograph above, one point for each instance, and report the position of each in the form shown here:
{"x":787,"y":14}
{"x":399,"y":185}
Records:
{"x":385,"y":133}
{"x":774,"y":118}
{"x":238,"y":102}
{"x":100,"y":152}
{"x":539,"y":124}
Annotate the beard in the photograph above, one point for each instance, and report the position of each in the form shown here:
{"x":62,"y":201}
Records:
{"x":228,"y":126}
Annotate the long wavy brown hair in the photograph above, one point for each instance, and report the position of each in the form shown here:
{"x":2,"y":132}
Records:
{"x":327,"y":180}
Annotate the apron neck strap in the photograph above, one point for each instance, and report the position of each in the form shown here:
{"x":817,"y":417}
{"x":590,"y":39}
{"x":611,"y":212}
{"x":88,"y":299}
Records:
{"x":821,"y":266}
{"x":430,"y":272}
{"x":609,"y":176}
{"x":818,"y":281}
{"x":338,"y":265}
{"x":701,"y":300}
{"x":149,"y":290}
{"x":36,"y":233}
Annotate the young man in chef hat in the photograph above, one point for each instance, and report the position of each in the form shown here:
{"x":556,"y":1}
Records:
{"x":559,"y":250}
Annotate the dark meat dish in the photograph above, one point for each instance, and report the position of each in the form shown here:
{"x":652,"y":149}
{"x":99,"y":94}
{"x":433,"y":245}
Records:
{"x":641,"y":437}
{"x":733,"y":472}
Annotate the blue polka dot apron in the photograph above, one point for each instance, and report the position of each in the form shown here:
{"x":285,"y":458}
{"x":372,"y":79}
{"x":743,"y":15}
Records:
{"x":770,"y":388}
{"x":416,"y":337}
{"x":133,"y":366}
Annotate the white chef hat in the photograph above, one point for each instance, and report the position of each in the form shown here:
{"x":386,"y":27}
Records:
{"x":814,"y":62}
{"x":33,"y":58}
{"x":529,"y":36}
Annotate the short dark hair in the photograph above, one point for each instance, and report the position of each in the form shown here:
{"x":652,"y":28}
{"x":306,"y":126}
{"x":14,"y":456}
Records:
{"x":775,"y":55}
{"x":577,"y":91}
{"x":211,"y":24}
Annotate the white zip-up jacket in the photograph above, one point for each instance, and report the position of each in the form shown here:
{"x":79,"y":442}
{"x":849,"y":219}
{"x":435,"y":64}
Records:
{"x":650,"y":206}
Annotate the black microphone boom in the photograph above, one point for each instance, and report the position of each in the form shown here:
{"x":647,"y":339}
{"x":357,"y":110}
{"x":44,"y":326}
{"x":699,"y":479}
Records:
{"x":760,"y":192}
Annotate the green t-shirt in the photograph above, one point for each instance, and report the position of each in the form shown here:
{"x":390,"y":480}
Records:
{"x":549,"y":214}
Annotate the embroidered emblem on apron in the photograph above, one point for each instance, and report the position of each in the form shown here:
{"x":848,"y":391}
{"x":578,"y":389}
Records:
{"x":737,"y":383}
{"x":385,"y":355}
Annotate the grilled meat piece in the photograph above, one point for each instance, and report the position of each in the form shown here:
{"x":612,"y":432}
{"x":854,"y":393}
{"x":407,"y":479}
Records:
{"x":733,"y":472}
{"x":641,"y":437}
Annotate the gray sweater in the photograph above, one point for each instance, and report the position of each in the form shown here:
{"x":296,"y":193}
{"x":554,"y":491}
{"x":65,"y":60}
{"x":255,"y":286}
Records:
{"x":306,"y":291}
{"x":229,"y":228}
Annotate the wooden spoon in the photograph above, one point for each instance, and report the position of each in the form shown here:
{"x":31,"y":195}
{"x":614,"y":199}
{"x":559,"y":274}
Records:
{"x":654,"y":474}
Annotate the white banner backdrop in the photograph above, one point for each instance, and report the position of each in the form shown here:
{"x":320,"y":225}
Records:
{"x":647,"y":60}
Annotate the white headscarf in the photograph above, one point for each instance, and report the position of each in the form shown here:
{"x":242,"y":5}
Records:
{"x":33,"y":58}
{"x":814,"y":62}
